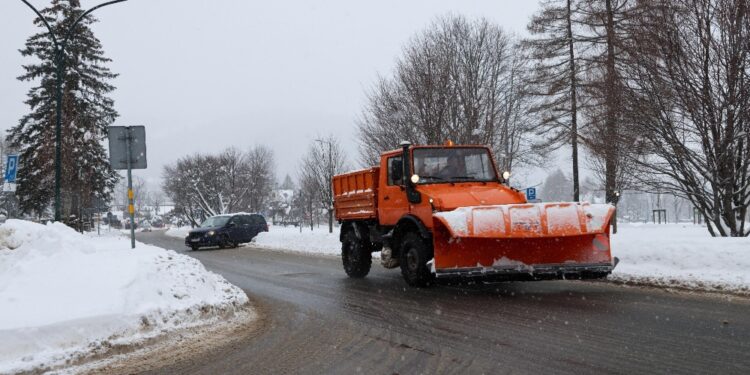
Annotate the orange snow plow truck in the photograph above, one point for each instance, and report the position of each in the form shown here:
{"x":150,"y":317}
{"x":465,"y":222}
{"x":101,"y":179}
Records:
{"x":444,"y":212}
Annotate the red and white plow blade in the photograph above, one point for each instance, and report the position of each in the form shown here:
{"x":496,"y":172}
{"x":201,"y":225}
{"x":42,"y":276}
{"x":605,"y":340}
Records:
{"x":539,"y":240}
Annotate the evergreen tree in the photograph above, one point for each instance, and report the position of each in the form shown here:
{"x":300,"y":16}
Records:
{"x":86,"y":114}
{"x":288,"y":184}
{"x":556,"y":187}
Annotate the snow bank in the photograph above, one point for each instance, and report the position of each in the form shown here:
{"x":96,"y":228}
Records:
{"x":317,"y":241}
{"x":64,"y":295}
{"x":178,"y":232}
{"x":681,"y":255}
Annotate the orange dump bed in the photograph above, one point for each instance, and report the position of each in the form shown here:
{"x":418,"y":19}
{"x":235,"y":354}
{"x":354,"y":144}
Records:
{"x":355,"y":194}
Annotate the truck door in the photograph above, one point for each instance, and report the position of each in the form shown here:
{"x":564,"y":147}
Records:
{"x":392,"y":203}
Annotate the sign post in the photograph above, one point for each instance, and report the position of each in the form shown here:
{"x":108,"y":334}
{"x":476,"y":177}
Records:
{"x":127,"y":150}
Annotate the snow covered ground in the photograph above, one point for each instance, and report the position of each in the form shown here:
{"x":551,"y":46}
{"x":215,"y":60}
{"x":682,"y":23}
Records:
{"x":318,"y":241}
{"x":681,"y":255}
{"x":64,"y":295}
{"x":674,"y":255}
{"x":178,"y":232}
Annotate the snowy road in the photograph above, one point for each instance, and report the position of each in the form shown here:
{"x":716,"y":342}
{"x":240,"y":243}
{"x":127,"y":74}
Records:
{"x":319,"y":321}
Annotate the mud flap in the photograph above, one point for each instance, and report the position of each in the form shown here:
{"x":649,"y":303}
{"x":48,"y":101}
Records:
{"x":542,"y":240}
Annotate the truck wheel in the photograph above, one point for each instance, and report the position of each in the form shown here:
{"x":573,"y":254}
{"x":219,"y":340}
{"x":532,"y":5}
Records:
{"x":415,"y":253}
{"x":356,"y":256}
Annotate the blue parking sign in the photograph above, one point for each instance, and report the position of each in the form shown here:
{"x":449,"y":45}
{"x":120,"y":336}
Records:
{"x":531,"y":193}
{"x":11,"y":168}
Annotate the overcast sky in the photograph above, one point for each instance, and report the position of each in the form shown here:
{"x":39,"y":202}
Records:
{"x":205,"y":75}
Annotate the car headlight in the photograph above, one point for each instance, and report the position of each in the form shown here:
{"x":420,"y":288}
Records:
{"x":210,"y":233}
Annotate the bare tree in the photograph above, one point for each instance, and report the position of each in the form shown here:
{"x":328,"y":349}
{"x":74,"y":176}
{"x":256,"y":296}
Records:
{"x":157,"y":200}
{"x":207,"y":185}
{"x":460,"y":80}
{"x":305,"y":199}
{"x":689,"y":91}
{"x":324,"y":159}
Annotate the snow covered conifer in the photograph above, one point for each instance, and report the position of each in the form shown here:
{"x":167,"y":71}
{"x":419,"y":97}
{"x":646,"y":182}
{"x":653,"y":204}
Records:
{"x":86,"y":113}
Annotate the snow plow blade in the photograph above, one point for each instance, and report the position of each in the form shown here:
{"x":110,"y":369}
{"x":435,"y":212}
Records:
{"x":524,"y":241}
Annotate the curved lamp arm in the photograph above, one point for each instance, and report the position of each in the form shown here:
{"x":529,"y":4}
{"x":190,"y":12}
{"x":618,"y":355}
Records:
{"x":78,"y":20}
{"x":51,"y":33}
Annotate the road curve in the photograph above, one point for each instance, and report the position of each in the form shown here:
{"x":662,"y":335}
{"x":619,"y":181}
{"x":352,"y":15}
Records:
{"x":320,"y":321}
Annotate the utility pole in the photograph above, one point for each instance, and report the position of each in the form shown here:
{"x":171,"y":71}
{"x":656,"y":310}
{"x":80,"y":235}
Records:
{"x":60,"y":71}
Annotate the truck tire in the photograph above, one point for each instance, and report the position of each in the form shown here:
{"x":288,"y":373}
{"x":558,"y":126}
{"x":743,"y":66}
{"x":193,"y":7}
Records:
{"x":415,"y":253}
{"x":356,"y":256}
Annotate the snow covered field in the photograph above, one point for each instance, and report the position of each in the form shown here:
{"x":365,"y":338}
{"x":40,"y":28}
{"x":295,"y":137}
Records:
{"x":64,"y":295}
{"x":681,"y":255}
{"x":675,"y":255}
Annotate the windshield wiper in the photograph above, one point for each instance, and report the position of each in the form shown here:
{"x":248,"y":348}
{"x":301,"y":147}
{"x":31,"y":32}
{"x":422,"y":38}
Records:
{"x":433,"y":177}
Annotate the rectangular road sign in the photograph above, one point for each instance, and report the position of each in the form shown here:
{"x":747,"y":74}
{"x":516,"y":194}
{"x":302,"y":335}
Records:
{"x":127,"y":150}
{"x":530,"y":194}
{"x":11,"y":168}
{"x":118,"y":147}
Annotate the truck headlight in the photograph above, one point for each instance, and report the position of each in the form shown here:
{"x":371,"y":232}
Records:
{"x":210,"y":233}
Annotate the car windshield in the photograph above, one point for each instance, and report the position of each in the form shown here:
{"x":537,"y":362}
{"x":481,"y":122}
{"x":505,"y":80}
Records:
{"x":215,"y":221}
{"x":454,"y":164}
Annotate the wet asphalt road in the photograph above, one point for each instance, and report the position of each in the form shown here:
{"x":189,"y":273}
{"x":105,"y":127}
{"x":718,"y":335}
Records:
{"x":316,"y":320}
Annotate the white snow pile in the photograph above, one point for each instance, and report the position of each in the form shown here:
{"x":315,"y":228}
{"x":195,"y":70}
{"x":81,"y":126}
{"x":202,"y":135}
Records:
{"x":66,"y":296}
{"x":178,"y":232}
{"x":681,"y":255}
{"x":317,"y":241}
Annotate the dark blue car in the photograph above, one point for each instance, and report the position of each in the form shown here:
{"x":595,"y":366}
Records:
{"x":226,"y":231}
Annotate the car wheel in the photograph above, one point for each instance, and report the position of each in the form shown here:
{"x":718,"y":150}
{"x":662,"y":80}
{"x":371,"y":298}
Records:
{"x":225,"y":242}
{"x":415,"y":253}
{"x":356,"y":256}
{"x":194,"y":247}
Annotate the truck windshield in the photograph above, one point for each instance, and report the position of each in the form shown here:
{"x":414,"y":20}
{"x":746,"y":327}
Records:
{"x":215,"y":221}
{"x":453,"y":164}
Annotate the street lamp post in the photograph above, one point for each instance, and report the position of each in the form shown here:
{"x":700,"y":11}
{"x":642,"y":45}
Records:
{"x":59,"y":71}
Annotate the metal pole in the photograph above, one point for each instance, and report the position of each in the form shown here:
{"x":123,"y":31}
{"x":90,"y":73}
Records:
{"x":60,"y":70}
{"x":131,"y":209}
{"x":58,"y":133}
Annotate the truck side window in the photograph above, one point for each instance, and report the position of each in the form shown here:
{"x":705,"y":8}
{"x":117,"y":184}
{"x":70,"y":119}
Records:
{"x":395,"y":171}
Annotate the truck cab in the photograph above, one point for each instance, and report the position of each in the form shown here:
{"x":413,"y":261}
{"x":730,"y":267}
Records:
{"x":439,"y":178}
